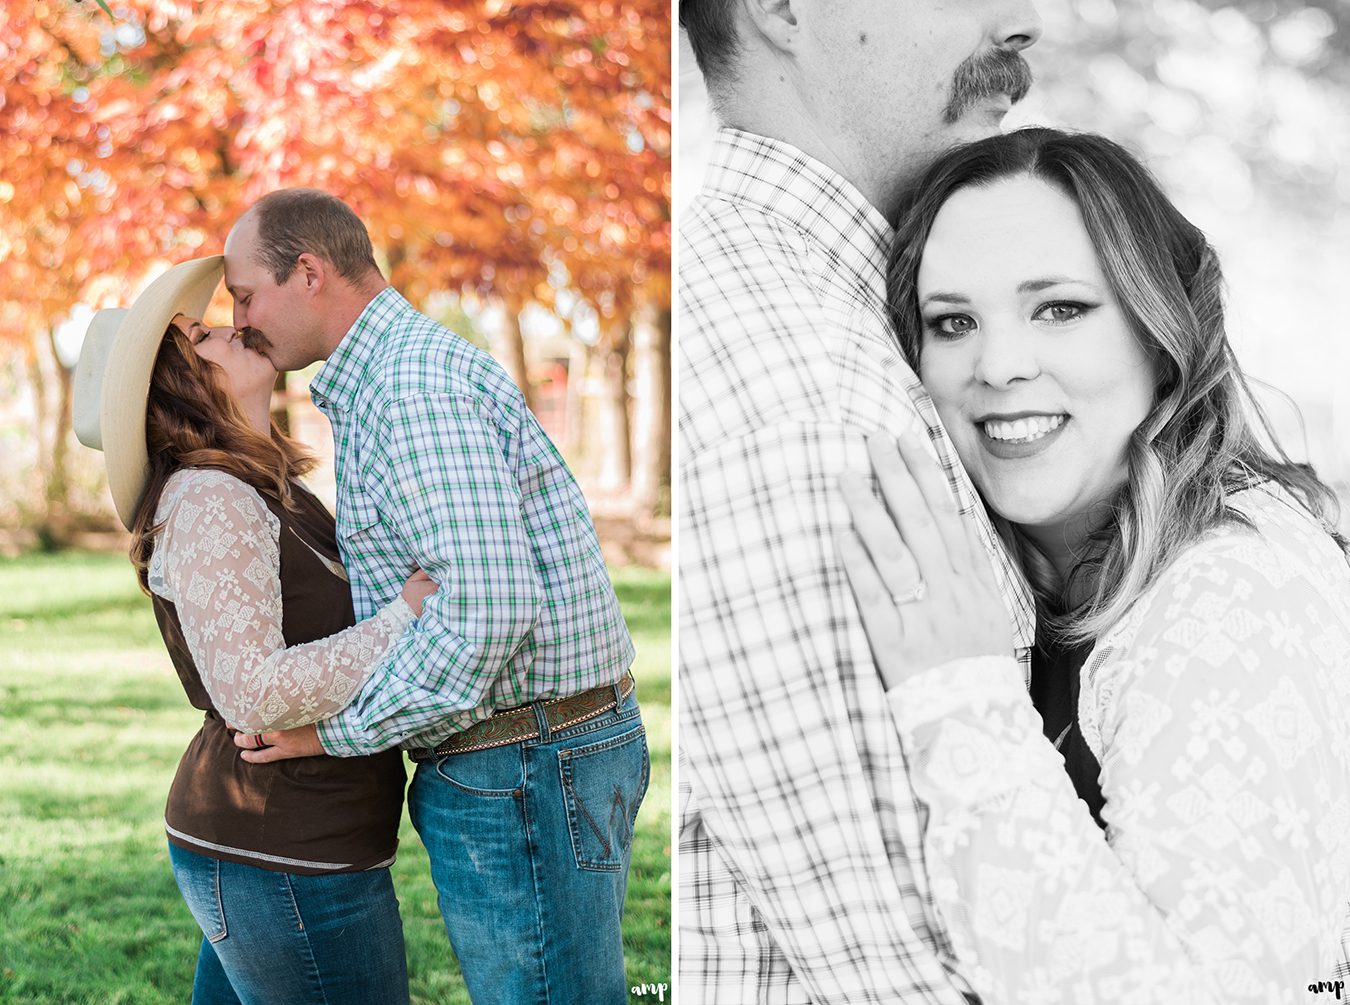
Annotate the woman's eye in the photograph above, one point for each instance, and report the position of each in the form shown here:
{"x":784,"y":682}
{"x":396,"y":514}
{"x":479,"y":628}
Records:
{"x":952,"y":324}
{"x":1061,"y":311}
{"x":205,"y":335}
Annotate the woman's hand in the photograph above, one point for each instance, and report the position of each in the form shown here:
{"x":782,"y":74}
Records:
{"x":920,"y":576}
{"x":418,"y":587}
{"x":281,"y":745}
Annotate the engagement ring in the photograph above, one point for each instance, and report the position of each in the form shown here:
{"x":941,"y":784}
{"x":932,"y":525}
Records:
{"x":917,"y":593}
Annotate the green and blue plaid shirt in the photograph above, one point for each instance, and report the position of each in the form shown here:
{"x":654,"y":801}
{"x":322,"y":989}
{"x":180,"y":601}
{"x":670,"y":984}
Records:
{"x":440,"y":465}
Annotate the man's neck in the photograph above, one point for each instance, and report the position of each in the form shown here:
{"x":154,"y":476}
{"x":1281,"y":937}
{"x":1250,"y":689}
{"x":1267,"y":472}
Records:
{"x":348,"y":303}
{"x":785,"y":118}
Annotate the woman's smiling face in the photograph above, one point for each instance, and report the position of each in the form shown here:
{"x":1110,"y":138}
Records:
{"x":1026,"y":354}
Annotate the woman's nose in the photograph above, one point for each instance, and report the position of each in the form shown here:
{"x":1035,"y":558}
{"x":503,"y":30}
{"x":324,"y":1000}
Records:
{"x":1005,"y":356}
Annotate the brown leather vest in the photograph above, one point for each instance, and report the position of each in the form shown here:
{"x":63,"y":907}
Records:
{"x":307,"y":815}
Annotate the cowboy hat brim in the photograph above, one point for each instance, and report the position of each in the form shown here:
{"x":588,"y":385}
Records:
{"x":112,"y":379}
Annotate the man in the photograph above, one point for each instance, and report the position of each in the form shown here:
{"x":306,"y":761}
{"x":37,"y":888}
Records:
{"x":527,"y":815}
{"x":801,"y":877}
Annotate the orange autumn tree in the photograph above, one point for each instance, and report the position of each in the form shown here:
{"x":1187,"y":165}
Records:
{"x":45,"y":130}
{"x":494,"y":147}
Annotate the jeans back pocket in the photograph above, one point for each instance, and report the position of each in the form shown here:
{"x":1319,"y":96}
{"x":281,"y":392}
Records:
{"x":199,"y":881}
{"x":603,"y":784}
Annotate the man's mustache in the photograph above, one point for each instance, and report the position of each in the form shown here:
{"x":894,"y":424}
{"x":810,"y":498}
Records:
{"x":987,"y":75}
{"x":253,"y":339}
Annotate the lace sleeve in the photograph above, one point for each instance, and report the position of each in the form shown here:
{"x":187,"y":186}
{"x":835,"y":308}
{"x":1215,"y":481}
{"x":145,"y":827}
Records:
{"x":217,"y":560}
{"x":1223,"y":874}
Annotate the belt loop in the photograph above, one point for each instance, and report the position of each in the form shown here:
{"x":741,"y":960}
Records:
{"x":541,"y":718}
{"x":618,"y":694}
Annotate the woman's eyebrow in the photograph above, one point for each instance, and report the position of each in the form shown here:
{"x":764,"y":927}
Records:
{"x":1036,"y":285}
{"x":944,"y":297}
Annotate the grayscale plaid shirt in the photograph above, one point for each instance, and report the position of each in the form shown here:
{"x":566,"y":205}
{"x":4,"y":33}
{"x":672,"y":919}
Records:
{"x":440,"y":465}
{"x":801,"y":877}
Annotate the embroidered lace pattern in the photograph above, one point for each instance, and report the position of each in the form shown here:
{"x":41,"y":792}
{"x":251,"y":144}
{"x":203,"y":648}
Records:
{"x":1218,"y":710}
{"x":218,"y":560}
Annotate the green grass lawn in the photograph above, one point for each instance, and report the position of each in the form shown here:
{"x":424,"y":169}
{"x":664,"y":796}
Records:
{"x":92,"y":723}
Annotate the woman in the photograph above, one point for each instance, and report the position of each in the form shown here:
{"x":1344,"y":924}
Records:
{"x":285,"y":866}
{"x":1066,"y":320}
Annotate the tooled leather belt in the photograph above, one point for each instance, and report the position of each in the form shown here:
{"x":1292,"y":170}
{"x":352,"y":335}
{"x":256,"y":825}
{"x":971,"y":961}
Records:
{"x":519,"y":724}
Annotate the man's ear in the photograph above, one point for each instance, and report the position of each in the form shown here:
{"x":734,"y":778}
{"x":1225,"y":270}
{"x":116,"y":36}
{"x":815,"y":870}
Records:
{"x":313,"y":270}
{"x":775,"y":20}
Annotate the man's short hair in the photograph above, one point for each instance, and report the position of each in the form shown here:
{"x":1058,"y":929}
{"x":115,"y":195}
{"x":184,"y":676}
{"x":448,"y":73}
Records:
{"x":293,"y":221}
{"x":711,"y":27}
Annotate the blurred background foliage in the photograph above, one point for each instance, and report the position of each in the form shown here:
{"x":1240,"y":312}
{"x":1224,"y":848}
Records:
{"x":1242,"y":110}
{"x":510,"y":157}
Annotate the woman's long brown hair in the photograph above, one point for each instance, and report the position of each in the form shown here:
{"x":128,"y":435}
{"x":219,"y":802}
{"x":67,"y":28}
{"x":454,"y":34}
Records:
{"x":191,"y":421}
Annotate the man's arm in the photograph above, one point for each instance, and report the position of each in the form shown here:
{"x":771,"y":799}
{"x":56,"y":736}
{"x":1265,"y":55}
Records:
{"x":440,"y":474}
{"x":800,"y":783}
{"x":218,"y":562}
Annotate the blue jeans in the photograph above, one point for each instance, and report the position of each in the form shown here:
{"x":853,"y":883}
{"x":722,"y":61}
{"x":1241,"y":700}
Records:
{"x":276,"y":938}
{"x":529,"y":846}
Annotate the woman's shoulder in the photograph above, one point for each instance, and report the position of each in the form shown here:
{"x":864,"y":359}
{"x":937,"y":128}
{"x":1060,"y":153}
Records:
{"x":1277,"y":555}
{"x":205,"y":483}
{"x":1250,"y":612}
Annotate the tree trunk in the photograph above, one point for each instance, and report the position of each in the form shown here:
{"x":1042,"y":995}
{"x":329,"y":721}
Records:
{"x":55,"y":528}
{"x":651,"y":443}
{"x":616,"y":464}
{"x":574,"y":414}
{"x":508,"y":347}
{"x":37,"y":380}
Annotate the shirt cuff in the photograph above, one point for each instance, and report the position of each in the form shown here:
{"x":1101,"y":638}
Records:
{"x":971,"y":733}
{"x":343,"y":736}
{"x":973,"y":684}
{"x":400,"y":614}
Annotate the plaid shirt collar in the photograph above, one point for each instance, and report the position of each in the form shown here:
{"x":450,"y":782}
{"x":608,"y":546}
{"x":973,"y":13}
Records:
{"x":341,"y":376}
{"x":776,"y":178}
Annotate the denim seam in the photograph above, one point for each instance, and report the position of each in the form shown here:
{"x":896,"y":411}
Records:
{"x":220,"y":902}
{"x":541,"y":955}
{"x":314,"y":973}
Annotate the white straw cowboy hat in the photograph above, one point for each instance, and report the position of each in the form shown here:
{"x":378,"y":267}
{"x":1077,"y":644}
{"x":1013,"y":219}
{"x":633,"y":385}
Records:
{"x":112,"y":379}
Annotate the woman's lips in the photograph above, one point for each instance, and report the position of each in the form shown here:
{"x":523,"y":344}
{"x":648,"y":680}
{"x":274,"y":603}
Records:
{"x":1013,"y":438}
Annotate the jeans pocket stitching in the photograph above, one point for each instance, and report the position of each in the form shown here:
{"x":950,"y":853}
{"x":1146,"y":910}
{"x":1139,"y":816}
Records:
{"x":609,"y":862}
{"x":469,"y":789}
{"x":289,"y":883}
{"x":220,"y":903}
{"x":581,"y":805}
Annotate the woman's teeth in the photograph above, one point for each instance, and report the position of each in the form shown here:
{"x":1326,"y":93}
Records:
{"x":1023,"y":430}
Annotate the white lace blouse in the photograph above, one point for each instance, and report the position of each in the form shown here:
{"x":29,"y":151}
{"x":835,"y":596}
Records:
{"x":1218,"y":711}
{"x":218,"y":561}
